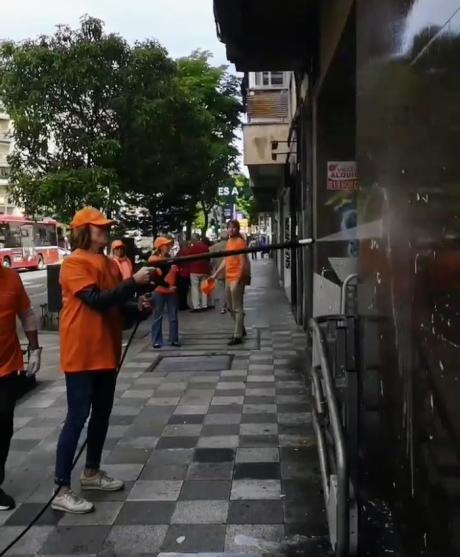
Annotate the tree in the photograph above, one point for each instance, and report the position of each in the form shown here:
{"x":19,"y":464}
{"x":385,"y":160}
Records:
{"x":59,"y":91}
{"x":246,"y":200}
{"x":216,"y":94}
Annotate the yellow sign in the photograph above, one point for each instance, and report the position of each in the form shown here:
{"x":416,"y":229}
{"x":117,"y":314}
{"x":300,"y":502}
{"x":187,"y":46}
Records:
{"x":244,"y":225}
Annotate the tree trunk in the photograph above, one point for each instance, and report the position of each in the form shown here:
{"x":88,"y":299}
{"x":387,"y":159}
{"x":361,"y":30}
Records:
{"x":206,"y":222}
{"x":188,"y":232}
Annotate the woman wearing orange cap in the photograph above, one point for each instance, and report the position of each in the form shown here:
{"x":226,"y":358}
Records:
{"x":118,"y":253}
{"x":90,"y":334}
{"x":165,"y":296}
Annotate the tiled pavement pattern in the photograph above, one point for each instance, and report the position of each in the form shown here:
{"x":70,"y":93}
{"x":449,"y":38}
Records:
{"x":218,"y":461}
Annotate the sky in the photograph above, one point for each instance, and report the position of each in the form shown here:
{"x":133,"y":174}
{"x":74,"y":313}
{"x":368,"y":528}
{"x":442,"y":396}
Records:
{"x":180,"y":25}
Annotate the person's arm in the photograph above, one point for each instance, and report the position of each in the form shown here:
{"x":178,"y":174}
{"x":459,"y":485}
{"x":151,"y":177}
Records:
{"x":101,"y":301}
{"x":29,"y":324}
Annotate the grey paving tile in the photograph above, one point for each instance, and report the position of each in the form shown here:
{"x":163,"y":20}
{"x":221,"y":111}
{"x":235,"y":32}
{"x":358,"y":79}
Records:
{"x":143,"y":442}
{"x":155,"y":491}
{"x":256,"y":489}
{"x":261,"y":454}
{"x":253,"y":441}
{"x":177,"y":442}
{"x":171,"y":456}
{"x":220,"y":430}
{"x":257,"y":471}
{"x":214,"y":455}
{"x":295,"y":419}
{"x":296,"y":441}
{"x":128,"y":455}
{"x":199,"y":538}
{"x":210,"y":471}
{"x":191,"y":419}
{"x":259,"y":409}
{"x":222,"y":419}
{"x":218,"y":442}
{"x":136,"y":539}
{"x":254,"y":539}
{"x":103,"y":496}
{"x":255,"y":512}
{"x":164,"y":472}
{"x":181,"y":430}
{"x":190,"y":409}
{"x":75,"y":539}
{"x":200,"y":512}
{"x":259,"y":429}
{"x":146,"y":512}
{"x":205,"y":490}
{"x":227,"y":400}
{"x":259,"y":419}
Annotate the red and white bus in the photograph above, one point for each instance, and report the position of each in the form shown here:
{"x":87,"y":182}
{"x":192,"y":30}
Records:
{"x":26,"y":244}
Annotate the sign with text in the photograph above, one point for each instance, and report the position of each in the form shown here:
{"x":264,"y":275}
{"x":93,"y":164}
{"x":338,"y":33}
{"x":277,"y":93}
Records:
{"x":227,"y":191}
{"x":342,"y":176}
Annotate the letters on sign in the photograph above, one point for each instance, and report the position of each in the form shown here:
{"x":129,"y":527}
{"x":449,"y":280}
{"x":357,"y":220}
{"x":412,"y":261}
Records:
{"x":342,"y":176}
{"x":227,"y":191}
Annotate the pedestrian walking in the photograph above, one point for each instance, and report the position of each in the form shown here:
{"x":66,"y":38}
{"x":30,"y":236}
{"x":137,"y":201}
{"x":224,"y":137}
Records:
{"x":14,"y":303}
{"x":253,"y":244}
{"x":238,"y":276}
{"x":165,"y":297}
{"x":199,"y":271}
{"x":183,"y":285}
{"x":94,"y":300}
{"x":118,"y":253}
{"x":219,"y":298}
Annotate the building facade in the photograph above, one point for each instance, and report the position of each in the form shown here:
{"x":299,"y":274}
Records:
{"x":374,"y":181}
{"x":7,"y":207}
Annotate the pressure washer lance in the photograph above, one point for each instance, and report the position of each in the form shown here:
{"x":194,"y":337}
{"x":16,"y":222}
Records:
{"x":168,"y":262}
{"x":80,"y":452}
{"x":294,"y":244}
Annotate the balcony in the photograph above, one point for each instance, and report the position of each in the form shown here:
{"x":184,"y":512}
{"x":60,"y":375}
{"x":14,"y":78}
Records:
{"x":266,"y":34}
{"x":268,"y":106}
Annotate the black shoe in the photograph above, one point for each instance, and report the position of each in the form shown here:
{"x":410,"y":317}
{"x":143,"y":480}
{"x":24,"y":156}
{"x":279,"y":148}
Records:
{"x":234,"y":341}
{"x":157,"y":346}
{"x":6,"y":502}
{"x":176,"y":344}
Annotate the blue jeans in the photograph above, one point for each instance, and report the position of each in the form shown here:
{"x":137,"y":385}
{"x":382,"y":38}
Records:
{"x":162,"y":302}
{"x":91,"y":391}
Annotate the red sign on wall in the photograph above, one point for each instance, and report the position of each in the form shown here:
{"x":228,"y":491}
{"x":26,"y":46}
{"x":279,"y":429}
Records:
{"x":342,"y":176}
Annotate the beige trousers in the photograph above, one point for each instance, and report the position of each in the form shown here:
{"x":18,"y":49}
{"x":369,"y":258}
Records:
{"x":234,"y":295}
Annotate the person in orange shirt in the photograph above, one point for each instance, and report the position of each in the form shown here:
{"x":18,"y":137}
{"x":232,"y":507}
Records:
{"x":165,"y":296}
{"x":124,"y":264}
{"x":14,"y":302}
{"x":238,"y":276}
{"x":91,"y":323}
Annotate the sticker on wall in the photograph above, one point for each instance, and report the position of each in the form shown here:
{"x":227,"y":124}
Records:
{"x":342,"y":176}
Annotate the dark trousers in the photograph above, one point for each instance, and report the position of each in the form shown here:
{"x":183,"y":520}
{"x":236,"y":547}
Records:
{"x":87,"y":392}
{"x":254,"y":256}
{"x":8,"y":393}
{"x":183,"y":287}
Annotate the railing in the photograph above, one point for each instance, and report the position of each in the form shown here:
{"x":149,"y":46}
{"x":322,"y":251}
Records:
{"x":335,"y":421}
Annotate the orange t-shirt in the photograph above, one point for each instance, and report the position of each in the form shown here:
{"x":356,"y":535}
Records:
{"x":234,"y":267}
{"x":125,"y":266}
{"x":90,"y":340}
{"x":170,"y":278}
{"x":13,"y":301}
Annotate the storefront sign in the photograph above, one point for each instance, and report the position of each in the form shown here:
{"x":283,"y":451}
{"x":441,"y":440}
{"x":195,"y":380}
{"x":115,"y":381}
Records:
{"x":342,"y":176}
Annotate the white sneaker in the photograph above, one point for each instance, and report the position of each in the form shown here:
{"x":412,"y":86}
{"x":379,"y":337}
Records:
{"x":69,"y":502}
{"x":101,"y":482}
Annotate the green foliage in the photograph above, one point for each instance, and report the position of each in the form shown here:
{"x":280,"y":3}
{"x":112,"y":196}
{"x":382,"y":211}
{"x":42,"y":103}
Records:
{"x":124,"y":128}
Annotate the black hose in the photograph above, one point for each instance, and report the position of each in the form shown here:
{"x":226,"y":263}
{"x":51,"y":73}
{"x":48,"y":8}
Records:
{"x":80,"y":452}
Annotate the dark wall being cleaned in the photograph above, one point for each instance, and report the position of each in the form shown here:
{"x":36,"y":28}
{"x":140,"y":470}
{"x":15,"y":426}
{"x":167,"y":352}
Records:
{"x":408,"y":151}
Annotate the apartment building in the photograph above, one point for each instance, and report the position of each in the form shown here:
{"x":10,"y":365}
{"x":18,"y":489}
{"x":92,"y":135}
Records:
{"x":7,"y":207}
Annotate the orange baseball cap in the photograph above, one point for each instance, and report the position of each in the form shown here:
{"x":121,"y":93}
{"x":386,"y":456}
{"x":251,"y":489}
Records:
{"x":118,"y":244}
{"x":162,"y":241}
{"x":90,"y":215}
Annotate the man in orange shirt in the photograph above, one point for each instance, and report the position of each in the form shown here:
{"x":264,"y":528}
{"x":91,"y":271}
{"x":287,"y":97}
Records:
{"x":237,"y":275}
{"x":14,"y":302}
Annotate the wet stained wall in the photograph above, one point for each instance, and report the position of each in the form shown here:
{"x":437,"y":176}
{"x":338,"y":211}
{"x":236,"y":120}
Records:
{"x":408,"y":150}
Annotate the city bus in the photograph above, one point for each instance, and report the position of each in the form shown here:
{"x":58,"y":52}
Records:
{"x":28,"y":244}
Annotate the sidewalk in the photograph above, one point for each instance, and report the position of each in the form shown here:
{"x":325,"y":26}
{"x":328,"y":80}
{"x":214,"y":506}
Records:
{"x":215,"y":445}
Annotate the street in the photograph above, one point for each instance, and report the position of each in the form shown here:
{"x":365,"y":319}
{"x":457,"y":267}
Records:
{"x":35,"y":285}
